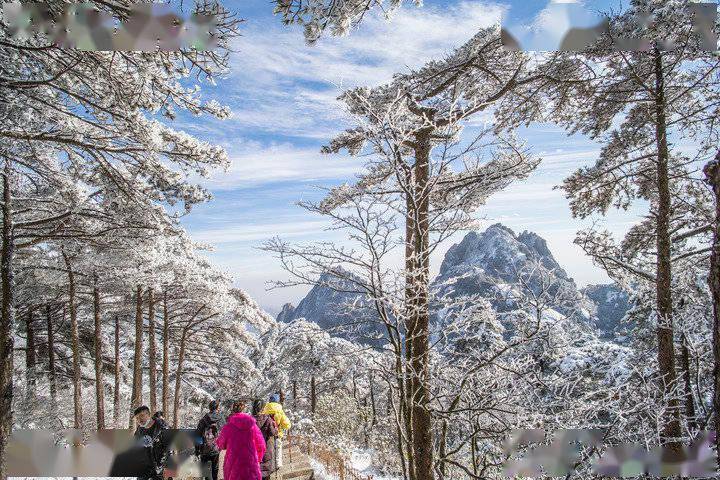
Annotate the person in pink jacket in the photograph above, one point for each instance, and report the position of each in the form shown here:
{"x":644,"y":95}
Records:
{"x":245,"y":446}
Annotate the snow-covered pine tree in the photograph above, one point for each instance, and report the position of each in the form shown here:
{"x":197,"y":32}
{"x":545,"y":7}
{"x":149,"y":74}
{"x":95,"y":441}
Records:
{"x":642,"y":106}
{"x":712,"y":174}
{"x":423,"y":168}
{"x":79,"y":117}
{"x":337,"y":16}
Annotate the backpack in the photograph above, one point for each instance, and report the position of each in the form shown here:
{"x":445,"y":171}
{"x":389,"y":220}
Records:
{"x":209,"y":445}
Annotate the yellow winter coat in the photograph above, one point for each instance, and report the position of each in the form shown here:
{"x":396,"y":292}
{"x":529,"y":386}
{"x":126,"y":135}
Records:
{"x":276,"y":410}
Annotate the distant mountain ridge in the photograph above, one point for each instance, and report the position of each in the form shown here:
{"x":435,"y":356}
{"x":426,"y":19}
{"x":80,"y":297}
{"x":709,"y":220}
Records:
{"x":612,"y":303}
{"x":497,"y":265}
{"x":336,"y":305}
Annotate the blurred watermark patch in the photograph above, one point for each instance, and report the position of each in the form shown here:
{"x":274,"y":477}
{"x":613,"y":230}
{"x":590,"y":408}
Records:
{"x":149,"y":27}
{"x":103,"y":453}
{"x":569,"y":448}
{"x":571,"y":27}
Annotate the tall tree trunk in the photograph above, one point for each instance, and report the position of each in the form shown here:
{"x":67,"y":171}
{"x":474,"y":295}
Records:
{"x":687,"y":380}
{"x":51,"y":354}
{"x":178,"y":378}
{"x":136,"y":398}
{"x":712,"y":175}
{"x":99,"y":383}
{"x":355,"y":388}
{"x":473,"y":452}
{"x":7,"y":325}
{"x":294,"y":393}
{"x":30,"y":356}
{"x":422,"y":438}
{"x":666,"y":347}
{"x":408,"y":389}
{"x":116,"y":388}
{"x":75,"y":335}
{"x":166,"y":355}
{"x":313,"y":395}
{"x":373,"y":407}
{"x":152,"y":363}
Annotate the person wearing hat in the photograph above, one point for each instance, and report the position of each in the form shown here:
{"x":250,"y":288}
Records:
{"x":275,"y":409}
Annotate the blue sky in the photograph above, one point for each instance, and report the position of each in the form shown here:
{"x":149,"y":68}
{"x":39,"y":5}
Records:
{"x":283,"y":92}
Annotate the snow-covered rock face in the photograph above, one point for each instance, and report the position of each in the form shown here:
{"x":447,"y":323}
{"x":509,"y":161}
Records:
{"x":287,"y":312}
{"x":336,"y":306}
{"x":499,"y":253}
{"x":495,"y":263}
{"x":611,"y":303}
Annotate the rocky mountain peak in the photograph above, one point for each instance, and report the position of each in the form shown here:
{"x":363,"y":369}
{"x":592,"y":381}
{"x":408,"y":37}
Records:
{"x":499,"y":252}
{"x":487,"y":264}
{"x":287,"y":312}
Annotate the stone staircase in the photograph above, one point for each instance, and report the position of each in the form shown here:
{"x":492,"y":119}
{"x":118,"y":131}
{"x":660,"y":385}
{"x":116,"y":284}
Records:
{"x":296,"y":466}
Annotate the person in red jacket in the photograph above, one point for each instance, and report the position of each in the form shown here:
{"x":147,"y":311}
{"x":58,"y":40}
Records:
{"x":244,"y":445}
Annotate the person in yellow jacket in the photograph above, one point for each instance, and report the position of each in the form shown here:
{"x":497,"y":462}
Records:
{"x":274,"y":409}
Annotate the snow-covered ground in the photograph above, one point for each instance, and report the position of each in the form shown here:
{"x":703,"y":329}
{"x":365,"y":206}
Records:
{"x":360,"y":460}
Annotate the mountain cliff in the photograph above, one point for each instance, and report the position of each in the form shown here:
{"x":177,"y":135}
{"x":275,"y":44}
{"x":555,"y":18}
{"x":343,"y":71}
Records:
{"x":337,"y":305}
{"x":509,"y":270}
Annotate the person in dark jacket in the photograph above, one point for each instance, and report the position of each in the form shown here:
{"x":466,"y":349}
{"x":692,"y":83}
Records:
{"x":149,"y":434}
{"x":159,"y":417}
{"x":269,"y":430}
{"x":208,"y":428}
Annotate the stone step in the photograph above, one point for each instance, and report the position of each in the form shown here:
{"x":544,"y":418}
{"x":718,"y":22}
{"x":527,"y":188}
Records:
{"x":299,"y":473}
{"x":297,"y":469}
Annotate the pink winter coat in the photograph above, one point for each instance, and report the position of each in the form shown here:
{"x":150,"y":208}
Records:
{"x":245,"y":447}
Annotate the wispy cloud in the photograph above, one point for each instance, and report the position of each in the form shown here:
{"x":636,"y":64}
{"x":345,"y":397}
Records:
{"x":282,"y":86}
{"x":255,"y":163}
{"x":260,"y":232}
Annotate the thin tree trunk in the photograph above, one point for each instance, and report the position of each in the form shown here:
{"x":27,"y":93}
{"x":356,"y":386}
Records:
{"x":152,"y":362}
{"x":372,"y":401}
{"x":399,"y":423}
{"x":74,"y":333}
{"x":166,"y":355}
{"x":7,"y":327}
{"x":313,"y":395}
{"x":294,"y":393}
{"x":712,"y":175}
{"x":178,"y":378}
{"x":666,"y":347}
{"x":116,"y":388}
{"x":99,"y":383}
{"x":136,"y":398}
{"x":30,"y":356}
{"x":354,"y":388}
{"x":443,"y":448}
{"x":689,"y":399}
{"x":51,"y":354}
{"x":473,"y":452}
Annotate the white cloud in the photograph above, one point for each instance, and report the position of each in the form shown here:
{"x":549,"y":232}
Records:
{"x":255,"y":163}
{"x":283,"y":86}
{"x":260,"y":232}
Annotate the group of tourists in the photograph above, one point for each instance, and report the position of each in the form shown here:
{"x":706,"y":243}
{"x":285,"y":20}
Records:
{"x":252,"y":441}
